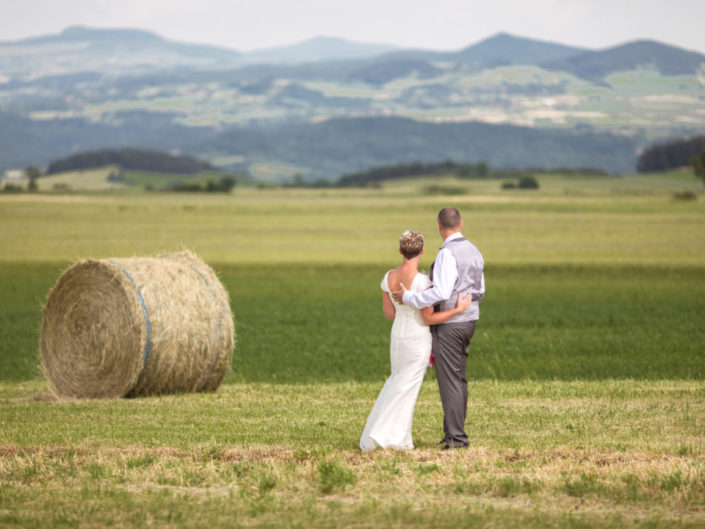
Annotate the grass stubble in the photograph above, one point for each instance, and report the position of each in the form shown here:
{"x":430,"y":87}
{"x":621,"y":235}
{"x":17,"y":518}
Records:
{"x":615,"y":453}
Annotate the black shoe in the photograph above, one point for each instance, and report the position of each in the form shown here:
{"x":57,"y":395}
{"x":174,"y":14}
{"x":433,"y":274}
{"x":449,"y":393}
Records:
{"x":443,"y":441}
{"x":453,"y":447}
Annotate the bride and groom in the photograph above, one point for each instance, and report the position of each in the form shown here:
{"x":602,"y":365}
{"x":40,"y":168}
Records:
{"x":447,"y":301}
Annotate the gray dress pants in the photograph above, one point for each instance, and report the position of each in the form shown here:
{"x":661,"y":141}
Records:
{"x":451,"y":342}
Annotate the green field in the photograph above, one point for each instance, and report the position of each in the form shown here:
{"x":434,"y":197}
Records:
{"x":98,"y":180}
{"x":587,"y":392}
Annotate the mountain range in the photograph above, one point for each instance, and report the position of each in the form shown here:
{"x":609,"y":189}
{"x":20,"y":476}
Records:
{"x":79,"y":48}
{"x":275,"y":108}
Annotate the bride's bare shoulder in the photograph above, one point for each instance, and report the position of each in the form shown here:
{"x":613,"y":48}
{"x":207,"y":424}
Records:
{"x":393,"y":276}
{"x":388,"y":278}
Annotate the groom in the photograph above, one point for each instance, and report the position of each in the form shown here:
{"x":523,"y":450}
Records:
{"x":458,"y":268}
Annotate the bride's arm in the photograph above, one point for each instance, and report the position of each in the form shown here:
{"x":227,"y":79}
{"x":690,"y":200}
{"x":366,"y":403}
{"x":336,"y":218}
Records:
{"x":434,"y":318}
{"x":388,"y":306}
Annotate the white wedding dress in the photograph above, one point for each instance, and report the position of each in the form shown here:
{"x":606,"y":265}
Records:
{"x":389,"y":423}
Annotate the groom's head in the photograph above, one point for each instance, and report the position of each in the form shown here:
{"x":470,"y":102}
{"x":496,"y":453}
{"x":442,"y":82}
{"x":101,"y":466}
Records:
{"x":449,"y":220}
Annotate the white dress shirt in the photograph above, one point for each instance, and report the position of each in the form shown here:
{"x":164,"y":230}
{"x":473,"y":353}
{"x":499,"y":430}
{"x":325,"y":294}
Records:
{"x":445,"y":274}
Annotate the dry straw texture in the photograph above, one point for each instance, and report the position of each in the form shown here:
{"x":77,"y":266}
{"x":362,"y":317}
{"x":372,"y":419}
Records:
{"x":136,"y":326}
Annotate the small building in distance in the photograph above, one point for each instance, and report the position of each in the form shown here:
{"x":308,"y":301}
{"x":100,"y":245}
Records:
{"x":13,"y":178}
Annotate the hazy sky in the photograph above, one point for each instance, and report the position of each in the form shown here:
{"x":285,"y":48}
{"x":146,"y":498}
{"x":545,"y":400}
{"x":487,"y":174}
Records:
{"x":431,"y":24}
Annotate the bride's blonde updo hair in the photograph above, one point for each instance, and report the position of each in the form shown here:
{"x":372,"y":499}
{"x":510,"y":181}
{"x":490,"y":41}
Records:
{"x":410,"y":243}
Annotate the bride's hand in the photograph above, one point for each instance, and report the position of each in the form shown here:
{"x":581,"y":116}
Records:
{"x":464,"y":302}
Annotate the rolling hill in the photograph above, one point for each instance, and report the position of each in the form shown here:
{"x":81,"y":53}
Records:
{"x":24,"y":141}
{"x":130,"y":51}
{"x":595,"y":65}
{"x":502,"y":49}
{"x":334,"y":147}
{"x":319,"y":49}
{"x":306,"y":106}
{"x":80,"y":49}
{"x":505,"y":49}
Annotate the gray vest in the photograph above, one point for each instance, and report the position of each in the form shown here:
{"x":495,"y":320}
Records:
{"x":470,"y":268}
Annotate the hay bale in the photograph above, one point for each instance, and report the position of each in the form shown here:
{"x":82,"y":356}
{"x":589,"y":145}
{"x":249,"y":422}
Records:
{"x":136,"y":326}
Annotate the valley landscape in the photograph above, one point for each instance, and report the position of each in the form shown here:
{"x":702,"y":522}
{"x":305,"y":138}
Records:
{"x":305,"y":163}
{"x":509,"y":101}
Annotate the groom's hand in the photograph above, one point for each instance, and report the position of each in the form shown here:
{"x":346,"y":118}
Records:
{"x":398,"y":295}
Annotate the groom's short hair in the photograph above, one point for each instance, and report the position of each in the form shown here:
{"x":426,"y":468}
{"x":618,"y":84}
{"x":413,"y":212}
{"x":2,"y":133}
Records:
{"x":449,"y":218}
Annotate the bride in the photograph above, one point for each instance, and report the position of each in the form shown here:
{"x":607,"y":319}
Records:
{"x":389,"y":423}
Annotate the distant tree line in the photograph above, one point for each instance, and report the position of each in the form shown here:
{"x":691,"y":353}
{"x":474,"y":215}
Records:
{"x":574,"y":171}
{"x":671,"y":155}
{"x":460,"y":170}
{"x":391,"y":172}
{"x":524,"y":182}
{"x":224,"y":185}
{"x":697,"y":162}
{"x":137,"y":159}
{"x":299,"y":181}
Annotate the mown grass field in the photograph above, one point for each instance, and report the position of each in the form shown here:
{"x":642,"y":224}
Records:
{"x":587,"y":399}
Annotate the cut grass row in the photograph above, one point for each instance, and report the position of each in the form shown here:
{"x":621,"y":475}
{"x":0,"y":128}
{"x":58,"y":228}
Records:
{"x":665,"y":417}
{"x":543,"y":454}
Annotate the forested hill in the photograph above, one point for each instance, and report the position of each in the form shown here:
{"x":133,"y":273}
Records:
{"x":593,"y":65}
{"x":340,"y":146}
{"x":670,"y":155}
{"x":25,"y":141}
{"x":115,"y":51}
{"x":156,"y":161}
{"x":504,"y":49}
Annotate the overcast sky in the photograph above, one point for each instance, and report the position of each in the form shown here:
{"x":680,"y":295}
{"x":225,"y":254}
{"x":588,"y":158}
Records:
{"x":432,"y":24}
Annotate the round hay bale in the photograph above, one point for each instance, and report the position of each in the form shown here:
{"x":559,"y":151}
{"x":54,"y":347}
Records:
{"x":136,"y":326}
